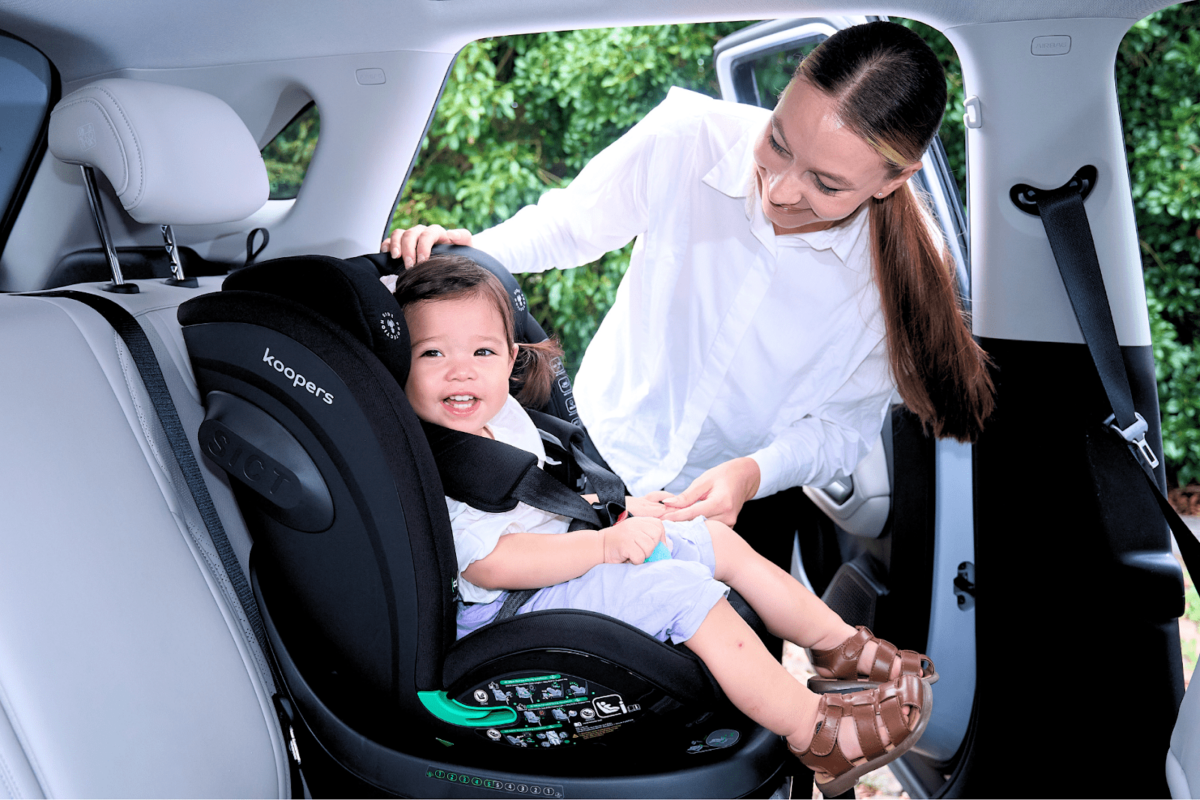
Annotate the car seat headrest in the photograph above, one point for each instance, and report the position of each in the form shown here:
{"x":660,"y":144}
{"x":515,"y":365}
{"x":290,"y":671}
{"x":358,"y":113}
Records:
{"x":173,"y":155}
{"x":525,"y":327}
{"x":347,"y":293}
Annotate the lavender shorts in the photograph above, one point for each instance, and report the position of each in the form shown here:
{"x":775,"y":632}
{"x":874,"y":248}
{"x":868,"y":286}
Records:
{"x":666,"y":599}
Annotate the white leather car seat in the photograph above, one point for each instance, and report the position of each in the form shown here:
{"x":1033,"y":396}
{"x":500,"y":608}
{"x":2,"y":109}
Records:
{"x":127,"y":667}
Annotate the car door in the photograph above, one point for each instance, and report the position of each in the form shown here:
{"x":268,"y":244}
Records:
{"x":892,"y":546}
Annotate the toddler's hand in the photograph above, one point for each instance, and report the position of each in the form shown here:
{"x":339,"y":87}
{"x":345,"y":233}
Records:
{"x":648,"y":506}
{"x":631,"y":540}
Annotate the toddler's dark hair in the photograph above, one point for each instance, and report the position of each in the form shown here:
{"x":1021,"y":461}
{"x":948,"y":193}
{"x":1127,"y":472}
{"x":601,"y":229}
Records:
{"x":444,"y":277}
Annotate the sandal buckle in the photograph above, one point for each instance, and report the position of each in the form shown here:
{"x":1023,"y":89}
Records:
{"x":1135,"y":436}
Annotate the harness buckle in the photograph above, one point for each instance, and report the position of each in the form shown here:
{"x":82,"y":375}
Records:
{"x":1135,"y":435}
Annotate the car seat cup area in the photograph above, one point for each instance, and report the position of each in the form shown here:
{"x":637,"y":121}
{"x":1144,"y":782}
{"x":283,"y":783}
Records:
{"x":301,"y":363}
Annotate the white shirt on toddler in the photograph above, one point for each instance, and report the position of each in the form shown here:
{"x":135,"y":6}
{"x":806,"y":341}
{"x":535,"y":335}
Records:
{"x":476,"y":532}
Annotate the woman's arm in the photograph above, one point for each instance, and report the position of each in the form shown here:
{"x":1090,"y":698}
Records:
{"x":535,"y":560}
{"x":806,"y":451}
{"x":602,"y":209}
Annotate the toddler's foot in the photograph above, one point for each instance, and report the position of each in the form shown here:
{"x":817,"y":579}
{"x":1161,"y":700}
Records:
{"x":861,"y":659}
{"x":858,"y":732}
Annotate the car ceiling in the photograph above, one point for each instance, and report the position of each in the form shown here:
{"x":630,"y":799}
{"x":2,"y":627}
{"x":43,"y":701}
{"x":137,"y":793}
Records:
{"x":86,"y":40}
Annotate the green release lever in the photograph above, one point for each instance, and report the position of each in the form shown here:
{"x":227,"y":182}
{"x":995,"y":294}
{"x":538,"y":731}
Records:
{"x":456,"y":713}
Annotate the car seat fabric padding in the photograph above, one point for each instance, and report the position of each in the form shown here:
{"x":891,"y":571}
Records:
{"x":351,"y":298}
{"x":396,"y":428}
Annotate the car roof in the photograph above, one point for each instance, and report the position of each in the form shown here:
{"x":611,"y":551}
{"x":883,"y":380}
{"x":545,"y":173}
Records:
{"x":87,"y":40}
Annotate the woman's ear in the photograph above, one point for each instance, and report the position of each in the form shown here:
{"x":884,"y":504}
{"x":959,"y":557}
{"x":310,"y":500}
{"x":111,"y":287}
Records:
{"x":898,"y":181}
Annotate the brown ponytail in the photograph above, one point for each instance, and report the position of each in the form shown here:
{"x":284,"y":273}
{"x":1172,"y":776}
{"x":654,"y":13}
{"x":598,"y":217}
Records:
{"x":940,"y":370}
{"x":891,"y":92}
{"x":443,"y":277}
{"x":535,"y":370}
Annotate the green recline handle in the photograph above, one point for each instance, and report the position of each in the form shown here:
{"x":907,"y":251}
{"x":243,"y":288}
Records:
{"x":456,"y":713}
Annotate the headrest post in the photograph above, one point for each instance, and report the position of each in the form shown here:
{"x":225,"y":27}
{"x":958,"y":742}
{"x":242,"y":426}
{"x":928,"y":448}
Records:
{"x":118,"y":284}
{"x":177,"y":278}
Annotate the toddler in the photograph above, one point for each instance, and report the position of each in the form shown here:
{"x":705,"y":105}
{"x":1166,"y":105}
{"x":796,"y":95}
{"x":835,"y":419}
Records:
{"x":463,"y":355}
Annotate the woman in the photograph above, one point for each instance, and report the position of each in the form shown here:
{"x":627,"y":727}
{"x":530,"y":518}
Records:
{"x":785,"y":281}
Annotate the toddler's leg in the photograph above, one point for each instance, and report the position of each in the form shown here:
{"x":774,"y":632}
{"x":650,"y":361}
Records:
{"x":789,"y":610}
{"x":761,"y":688}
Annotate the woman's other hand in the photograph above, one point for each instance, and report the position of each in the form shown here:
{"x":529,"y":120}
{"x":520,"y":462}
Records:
{"x":631,"y":540}
{"x":718,"y":494}
{"x":413,"y":245}
{"x":649,"y":506}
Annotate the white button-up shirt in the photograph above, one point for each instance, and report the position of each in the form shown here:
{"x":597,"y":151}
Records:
{"x":725,"y":339}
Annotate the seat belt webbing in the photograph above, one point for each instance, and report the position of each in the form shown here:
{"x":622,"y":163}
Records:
{"x":1065,"y":219}
{"x":142,"y":352}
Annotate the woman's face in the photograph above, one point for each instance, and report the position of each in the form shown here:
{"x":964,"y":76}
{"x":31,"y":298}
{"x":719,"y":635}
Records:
{"x":811,"y":170}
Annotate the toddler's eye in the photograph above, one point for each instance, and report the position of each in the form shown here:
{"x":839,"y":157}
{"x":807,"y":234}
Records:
{"x":430,"y":354}
{"x":485,"y":351}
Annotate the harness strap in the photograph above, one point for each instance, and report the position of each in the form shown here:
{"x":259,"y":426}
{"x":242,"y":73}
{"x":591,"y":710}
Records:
{"x":493,"y":476}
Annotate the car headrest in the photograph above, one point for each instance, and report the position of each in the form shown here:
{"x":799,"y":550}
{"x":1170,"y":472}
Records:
{"x":347,"y":293}
{"x":173,"y":155}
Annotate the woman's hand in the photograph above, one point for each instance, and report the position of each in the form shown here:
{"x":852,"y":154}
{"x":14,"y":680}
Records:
{"x":718,"y":494}
{"x":649,"y":506}
{"x":632,"y":540}
{"x":413,"y":245}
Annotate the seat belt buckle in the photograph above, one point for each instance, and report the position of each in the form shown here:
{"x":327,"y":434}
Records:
{"x":1135,"y":435}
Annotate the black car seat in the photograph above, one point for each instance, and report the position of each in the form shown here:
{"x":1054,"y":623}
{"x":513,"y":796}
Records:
{"x":301,"y":362}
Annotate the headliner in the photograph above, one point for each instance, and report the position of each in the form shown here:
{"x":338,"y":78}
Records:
{"x":89,"y":39}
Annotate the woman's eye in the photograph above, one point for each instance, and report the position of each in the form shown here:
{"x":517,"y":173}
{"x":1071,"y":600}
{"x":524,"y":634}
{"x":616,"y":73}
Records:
{"x":821,"y":187}
{"x":777,"y":147}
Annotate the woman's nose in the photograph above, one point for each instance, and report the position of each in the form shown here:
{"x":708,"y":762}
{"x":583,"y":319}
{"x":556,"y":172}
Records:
{"x":784,"y":189}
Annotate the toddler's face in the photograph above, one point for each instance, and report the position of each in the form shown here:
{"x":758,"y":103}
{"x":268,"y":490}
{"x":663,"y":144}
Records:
{"x":461,"y":362}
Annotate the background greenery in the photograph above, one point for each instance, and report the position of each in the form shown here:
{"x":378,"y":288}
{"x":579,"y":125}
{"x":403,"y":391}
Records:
{"x":523,"y":114}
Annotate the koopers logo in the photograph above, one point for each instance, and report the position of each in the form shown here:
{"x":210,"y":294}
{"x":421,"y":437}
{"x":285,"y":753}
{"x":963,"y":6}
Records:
{"x":296,"y":378}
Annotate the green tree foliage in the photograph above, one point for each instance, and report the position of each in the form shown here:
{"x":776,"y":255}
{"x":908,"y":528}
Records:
{"x":1158,"y":83}
{"x":288,"y":155}
{"x":523,"y":114}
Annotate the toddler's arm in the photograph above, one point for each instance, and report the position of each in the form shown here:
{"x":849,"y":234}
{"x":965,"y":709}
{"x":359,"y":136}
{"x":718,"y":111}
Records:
{"x":535,"y":560}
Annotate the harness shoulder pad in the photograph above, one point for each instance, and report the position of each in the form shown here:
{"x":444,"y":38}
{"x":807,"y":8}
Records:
{"x":480,"y":472}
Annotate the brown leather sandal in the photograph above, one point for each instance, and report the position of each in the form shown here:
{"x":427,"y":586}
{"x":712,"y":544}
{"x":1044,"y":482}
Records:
{"x":842,"y":662}
{"x":861,"y":709}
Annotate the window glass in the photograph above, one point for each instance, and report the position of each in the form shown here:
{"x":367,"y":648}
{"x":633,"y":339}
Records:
{"x":288,"y":155}
{"x":25,"y":86}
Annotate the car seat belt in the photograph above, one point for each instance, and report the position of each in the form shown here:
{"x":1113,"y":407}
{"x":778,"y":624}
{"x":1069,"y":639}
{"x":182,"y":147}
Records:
{"x":493,"y":476}
{"x":130,"y":331}
{"x":1065,"y":219}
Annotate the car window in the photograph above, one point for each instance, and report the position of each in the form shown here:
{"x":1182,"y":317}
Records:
{"x":26,"y":89}
{"x":288,"y":155}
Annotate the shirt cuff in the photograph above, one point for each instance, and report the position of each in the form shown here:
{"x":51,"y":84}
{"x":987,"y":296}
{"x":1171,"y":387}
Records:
{"x":771,"y":470}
